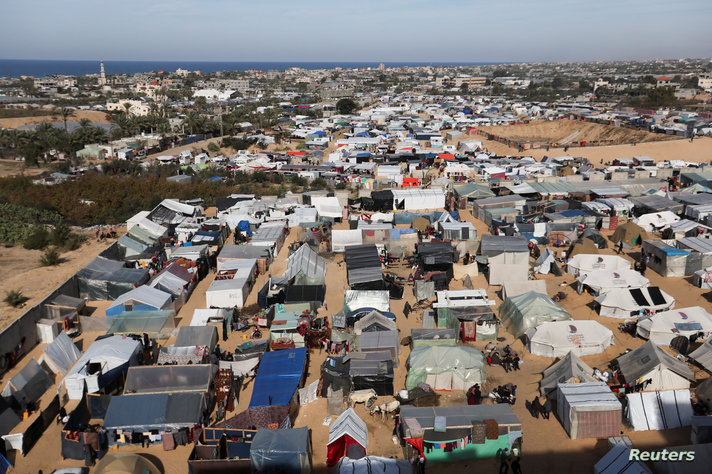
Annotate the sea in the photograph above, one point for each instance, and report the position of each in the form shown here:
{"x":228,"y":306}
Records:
{"x":43,"y":68}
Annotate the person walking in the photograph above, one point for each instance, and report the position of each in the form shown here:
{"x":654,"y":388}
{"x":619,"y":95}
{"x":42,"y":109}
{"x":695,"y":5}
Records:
{"x":504,"y":461}
{"x":643,"y":267}
{"x":516,"y":466}
{"x":620,"y":246}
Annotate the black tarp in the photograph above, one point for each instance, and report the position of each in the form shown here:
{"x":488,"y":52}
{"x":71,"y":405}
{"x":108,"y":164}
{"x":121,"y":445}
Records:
{"x":380,"y":201}
{"x":8,"y":418}
{"x":436,"y":256}
{"x":655,"y":295}
{"x":372,"y":370}
{"x":335,"y":374}
{"x":305,"y":294}
{"x":596,"y":237}
{"x":638,"y":296}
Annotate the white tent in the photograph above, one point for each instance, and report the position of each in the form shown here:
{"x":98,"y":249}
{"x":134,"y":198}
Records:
{"x":140,"y":298}
{"x":558,"y":338}
{"x":514,"y":288}
{"x":703,"y":278}
{"x":601,"y":281}
{"x":108,"y":354}
{"x":657,"y":220}
{"x":661,"y":328}
{"x":327,"y":206}
{"x":617,"y":461}
{"x":61,"y":354}
{"x":544,"y":262}
{"x":651,"y":363}
{"x":626,"y":302}
{"x":418,"y":199}
{"x":347,"y":425}
{"x":662,"y":410}
{"x":231,"y":292}
{"x":201,"y":317}
{"x":584,"y":263}
{"x":341,"y":239}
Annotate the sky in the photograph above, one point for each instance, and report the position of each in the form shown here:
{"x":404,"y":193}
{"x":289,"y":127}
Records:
{"x":362,"y":30}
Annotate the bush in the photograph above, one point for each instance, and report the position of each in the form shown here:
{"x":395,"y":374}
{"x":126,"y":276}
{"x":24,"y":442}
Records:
{"x":15,"y":298}
{"x":74,"y":241}
{"x":59,"y":234}
{"x":50,"y":257}
{"x":318,"y":184}
{"x":37,"y":240}
{"x":341,"y":185}
{"x":213,"y":147}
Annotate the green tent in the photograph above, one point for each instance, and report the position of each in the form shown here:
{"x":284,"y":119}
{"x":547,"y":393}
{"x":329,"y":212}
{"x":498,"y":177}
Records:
{"x":521,"y":312}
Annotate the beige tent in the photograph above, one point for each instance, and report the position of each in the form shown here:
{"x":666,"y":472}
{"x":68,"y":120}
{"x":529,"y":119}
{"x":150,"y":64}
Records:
{"x":125,"y":463}
{"x":585,"y":246}
{"x":630,"y":233}
{"x":420,"y":223}
{"x":460,"y":271}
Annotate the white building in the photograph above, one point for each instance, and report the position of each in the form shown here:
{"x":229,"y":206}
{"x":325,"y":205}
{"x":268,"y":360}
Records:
{"x":137,"y":107}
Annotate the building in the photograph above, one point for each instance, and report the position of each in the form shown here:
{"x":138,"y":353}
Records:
{"x":470,"y":81}
{"x":137,"y":107}
{"x":704,"y":81}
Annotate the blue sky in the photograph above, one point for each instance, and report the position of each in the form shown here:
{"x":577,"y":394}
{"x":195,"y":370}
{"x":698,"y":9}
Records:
{"x":363,"y":30}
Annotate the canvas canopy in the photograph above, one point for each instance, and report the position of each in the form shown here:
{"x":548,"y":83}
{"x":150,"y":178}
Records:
{"x":514,"y":288}
{"x":630,"y":233}
{"x":373,"y":464}
{"x":61,"y":354}
{"x":348,"y":429}
{"x":657,"y":220}
{"x":626,"y":302}
{"x":589,"y":410}
{"x":582,"y":264}
{"x":522,"y":312}
{"x":569,"y":369}
{"x":202,"y":317}
{"x":169,"y":378}
{"x":104,"y":358}
{"x":173,"y":280}
{"x":557,"y":338}
{"x":143,"y":298}
{"x":327,"y":206}
{"x":445,"y":367}
{"x":418,"y":199}
{"x":663,"y":327}
{"x":379,"y":341}
{"x":703,"y":355}
{"x":286,"y":450}
{"x":154,"y":411}
{"x":231,"y":287}
{"x":651,"y":362}
{"x":617,"y":461}
{"x":601,"y":281}
{"x":662,"y":410}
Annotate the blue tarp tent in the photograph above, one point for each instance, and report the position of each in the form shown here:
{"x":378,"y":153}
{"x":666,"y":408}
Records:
{"x":244,"y":226}
{"x":278,"y":377}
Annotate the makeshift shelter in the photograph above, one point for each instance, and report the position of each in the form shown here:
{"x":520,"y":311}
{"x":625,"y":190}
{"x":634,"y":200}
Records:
{"x":306,"y":266}
{"x":327,"y":207}
{"x":703,"y":278}
{"x":155,"y":411}
{"x":288,"y":451}
{"x":343,"y":239}
{"x":259,"y":417}
{"x":630,"y":233}
{"x":363,"y":268}
{"x":213,"y":317}
{"x":197,"y":337}
{"x":143,"y":298}
{"x":625,"y":302}
{"x":174,"y":280}
{"x":557,"y":338}
{"x":568,"y":370}
{"x":231,"y":287}
{"x":472,"y":323}
{"x":125,"y":463}
{"x":595,"y":236}
{"x":378,"y":341}
{"x":230,"y":253}
{"x":105,"y":279}
{"x":169,"y":378}
{"x":348,"y":435}
{"x":373,"y":464}
{"x":546,"y":263}
{"x":104,"y":361}
{"x":666,"y":259}
{"x":285,"y":329}
{"x":9,"y":419}
{"x":60,"y":355}
{"x":458,"y":231}
{"x":703,"y":355}
{"x":436,"y":256}
{"x":371,"y":370}
{"x":28,"y":385}
{"x":374,"y":321}
{"x":582,"y":246}
{"x":661,"y":410}
{"x":584,"y":263}
{"x":433,"y":337}
{"x":507,"y":257}
{"x":617,"y":461}
{"x":657,"y":221}
{"x":278,"y":377}
{"x":335,"y":375}
{"x":446,"y":434}
{"x":445,"y":367}
{"x":651,"y":363}
{"x":514,"y":288}
{"x":63,"y":306}
{"x":374,"y":299}
{"x":519,"y":313}
{"x":152,"y":323}
{"x":418,"y":199}
{"x":662,"y":328}
{"x":601,"y":281}
{"x":589,"y":410}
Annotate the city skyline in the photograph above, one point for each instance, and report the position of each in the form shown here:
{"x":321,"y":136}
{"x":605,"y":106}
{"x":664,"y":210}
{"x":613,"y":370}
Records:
{"x":394,"y":31}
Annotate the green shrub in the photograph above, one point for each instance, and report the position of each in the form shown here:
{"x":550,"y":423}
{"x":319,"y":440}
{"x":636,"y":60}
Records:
{"x":74,"y":241}
{"x":50,"y":258}
{"x":213,"y":147}
{"x":15,"y":298}
{"x":59,"y":234}
{"x":37,"y":240}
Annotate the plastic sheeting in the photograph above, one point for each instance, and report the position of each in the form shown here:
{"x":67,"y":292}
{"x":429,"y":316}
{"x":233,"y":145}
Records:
{"x":308,"y":263}
{"x":169,"y":378}
{"x":424,"y":290}
{"x":589,"y":410}
{"x":357,"y":299}
{"x":373,"y":464}
{"x":105,"y":279}
{"x":160,"y":411}
{"x":649,"y":361}
{"x":663,"y":410}
{"x":140,"y":322}
{"x":522,"y":312}
{"x":342,"y":239}
{"x":287,"y":451}
{"x":192,"y":336}
{"x":570,"y":369}
{"x":29,"y":384}
{"x":308,"y":394}
{"x":61,"y":354}
{"x":617,"y":461}
{"x":278,"y":377}
{"x":445,"y":367}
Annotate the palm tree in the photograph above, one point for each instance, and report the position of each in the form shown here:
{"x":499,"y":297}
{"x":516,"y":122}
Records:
{"x":65,"y":113}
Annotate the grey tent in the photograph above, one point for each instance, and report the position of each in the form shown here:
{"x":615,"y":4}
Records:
{"x":346,"y":430}
{"x":373,"y":464}
{"x":8,"y":418}
{"x":617,"y":461}
{"x":374,"y":321}
{"x":62,"y":306}
{"x":651,"y":362}
{"x":29,"y":384}
{"x":154,"y":411}
{"x":286,"y":451}
{"x":191,"y":336}
{"x":306,"y":265}
{"x":379,"y":341}
{"x":105,"y":279}
{"x":169,"y":378}
{"x":445,"y":367}
{"x":521,"y":312}
{"x":568,"y":369}
{"x":61,"y":354}
{"x":703,"y":355}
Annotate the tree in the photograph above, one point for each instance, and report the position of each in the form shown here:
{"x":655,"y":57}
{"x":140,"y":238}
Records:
{"x":464,"y":87}
{"x":213,"y":147}
{"x":50,"y":258}
{"x":346,"y":106}
{"x":65,"y":113}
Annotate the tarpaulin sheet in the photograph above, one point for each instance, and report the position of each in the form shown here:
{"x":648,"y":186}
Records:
{"x":278,"y":377}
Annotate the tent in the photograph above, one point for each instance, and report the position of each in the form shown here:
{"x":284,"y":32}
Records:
{"x":378,"y":341}
{"x":569,"y":369}
{"x":420,"y":223}
{"x":143,"y":298}
{"x":231,"y":287}
{"x":335,"y":375}
{"x":345,"y":433}
{"x":651,"y":362}
{"x":307,"y":264}
{"x":285,"y":451}
{"x":418,"y":199}
{"x":445,"y":367}
{"x":230,"y":253}
{"x":630,"y":233}
{"x":546,"y":263}
{"x":521,"y":312}
{"x":8,"y":417}
{"x":703,"y":278}
{"x":627,"y":302}
{"x":363,"y":268}
{"x":373,"y":464}
{"x":661,"y":410}
{"x":327,"y":207}
{"x":125,"y":463}
{"x":703,"y":355}
{"x":582,"y":246}
{"x":557,"y":338}
{"x":342,"y":239}
{"x":142,"y":322}
{"x":155,"y":411}
{"x":102,"y":362}
{"x":104,"y":279}
{"x":584,"y":263}
{"x":657,"y":220}
{"x":662,"y":328}
{"x":433,"y":337}
{"x":374,"y":321}
{"x":617,"y":461}
{"x":514,"y":288}
{"x":278,"y":377}
{"x":375,"y":299}
{"x":371,"y":370}
{"x":174,"y":280}
{"x":601,"y":281}
{"x":259,"y":417}
{"x":214,"y":316}
{"x":197,"y":336}
{"x":62,"y":306}
{"x":169,"y":378}
{"x":61,"y":354}
{"x":596,"y":237}
{"x":28,"y":385}
{"x":589,"y":410}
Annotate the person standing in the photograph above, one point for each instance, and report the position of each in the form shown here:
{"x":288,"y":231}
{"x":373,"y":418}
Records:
{"x":504,"y":461}
{"x":620,"y":246}
{"x":643,"y":267}
{"x":516,"y":466}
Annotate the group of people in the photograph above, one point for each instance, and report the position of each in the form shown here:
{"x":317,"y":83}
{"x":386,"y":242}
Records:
{"x":507,"y":460}
{"x":509,"y":359}
{"x":101,"y":234}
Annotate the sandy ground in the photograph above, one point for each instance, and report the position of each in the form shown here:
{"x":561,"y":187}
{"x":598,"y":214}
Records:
{"x":95,"y":116}
{"x":554,"y":131}
{"x":13,"y":167}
